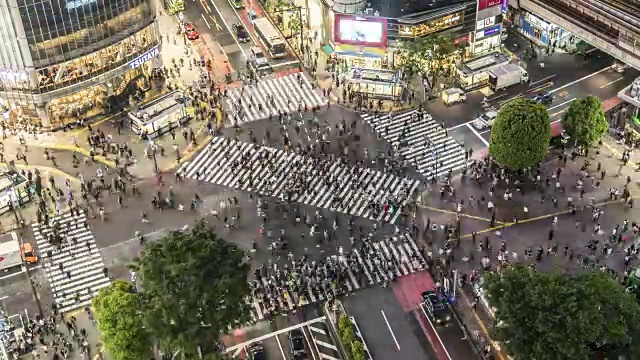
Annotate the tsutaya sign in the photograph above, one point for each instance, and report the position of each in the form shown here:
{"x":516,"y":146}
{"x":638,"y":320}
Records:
{"x":144,"y":58}
{"x":584,"y":34}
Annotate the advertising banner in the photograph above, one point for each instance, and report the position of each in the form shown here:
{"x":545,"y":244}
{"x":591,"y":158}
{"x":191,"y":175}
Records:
{"x":484,"y":4}
{"x":359,"y":30}
{"x":432,"y":26}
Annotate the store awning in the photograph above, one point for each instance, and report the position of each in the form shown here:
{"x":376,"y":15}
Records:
{"x":362,"y":51}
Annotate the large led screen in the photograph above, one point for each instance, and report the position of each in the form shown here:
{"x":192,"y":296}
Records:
{"x":357,"y":30}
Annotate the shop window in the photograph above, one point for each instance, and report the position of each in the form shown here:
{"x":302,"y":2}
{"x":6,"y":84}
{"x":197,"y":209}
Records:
{"x":537,"y":33}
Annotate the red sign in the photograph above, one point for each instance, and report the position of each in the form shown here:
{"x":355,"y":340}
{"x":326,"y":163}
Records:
{"x":461,"y":39}
{"x":484,"y":4}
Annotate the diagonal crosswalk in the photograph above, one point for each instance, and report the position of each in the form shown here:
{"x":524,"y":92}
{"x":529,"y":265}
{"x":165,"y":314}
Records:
{"x":420,"y":140}
{"x":295,"y":178}
{"x":376,"y":263}
{"x":75,"y":269}
{"x":282,"y":94}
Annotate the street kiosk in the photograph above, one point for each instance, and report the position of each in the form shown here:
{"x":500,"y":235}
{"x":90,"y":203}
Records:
{"x":158,"y":117}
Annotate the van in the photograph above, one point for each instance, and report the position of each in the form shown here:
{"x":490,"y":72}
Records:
{"x":453,"y":96}
{"x":258,"y":57}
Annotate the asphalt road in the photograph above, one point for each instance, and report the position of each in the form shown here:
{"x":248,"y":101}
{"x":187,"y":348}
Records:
{"x":388,"y":331}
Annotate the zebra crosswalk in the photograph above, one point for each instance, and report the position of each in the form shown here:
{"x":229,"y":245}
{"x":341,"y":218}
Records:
{"x":268,"y":97}
{"x":295,"y":178}
{"x":376,"y":263}
{"x":420,"y":140}
{"x":75,"y":269}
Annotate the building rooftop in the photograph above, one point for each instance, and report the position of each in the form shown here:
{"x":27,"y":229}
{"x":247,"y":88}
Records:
{"x":412,"y":8}
{"x":159,"y":107}
{"x":484,"y":63}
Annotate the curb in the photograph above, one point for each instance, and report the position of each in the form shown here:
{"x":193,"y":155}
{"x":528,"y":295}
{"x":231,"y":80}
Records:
{"x":333,"y":329}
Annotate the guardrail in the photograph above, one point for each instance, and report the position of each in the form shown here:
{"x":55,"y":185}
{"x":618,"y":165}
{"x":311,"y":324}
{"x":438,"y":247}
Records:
{"x":360,"y":337}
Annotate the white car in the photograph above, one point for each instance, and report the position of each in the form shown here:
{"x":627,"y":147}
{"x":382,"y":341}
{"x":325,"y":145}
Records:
{"x":619,"y":67}
{"x":485,"y":120}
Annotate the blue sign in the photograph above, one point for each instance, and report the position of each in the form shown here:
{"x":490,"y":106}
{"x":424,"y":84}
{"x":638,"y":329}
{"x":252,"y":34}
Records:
{"x":505,"y":4}
{"x":491,"y":31}
{"x":144,"y":58}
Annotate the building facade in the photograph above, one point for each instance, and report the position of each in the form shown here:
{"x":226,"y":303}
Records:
{"x":64,"y":59}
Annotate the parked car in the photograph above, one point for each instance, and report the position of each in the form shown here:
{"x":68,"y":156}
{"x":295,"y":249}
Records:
{"x":485,"y":120}
{"x":258,"y":57}
{"x":296,"y":344}
{"x":256,"y":351}
{"x":190,"y":30}
{"x":545,"y":98}
{"x":241,"y":33}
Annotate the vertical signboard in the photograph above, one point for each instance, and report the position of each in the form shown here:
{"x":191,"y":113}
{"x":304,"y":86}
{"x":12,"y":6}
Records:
{"x":488,"y":16}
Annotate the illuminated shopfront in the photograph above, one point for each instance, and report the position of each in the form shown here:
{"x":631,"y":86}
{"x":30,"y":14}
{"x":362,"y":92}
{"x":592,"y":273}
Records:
{"x":431,"y":26}
{"x":63,"y":59}
{"x":539,"y":29}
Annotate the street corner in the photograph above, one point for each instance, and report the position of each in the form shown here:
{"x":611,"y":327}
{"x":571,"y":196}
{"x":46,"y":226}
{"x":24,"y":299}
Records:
{"x":473,"y":138}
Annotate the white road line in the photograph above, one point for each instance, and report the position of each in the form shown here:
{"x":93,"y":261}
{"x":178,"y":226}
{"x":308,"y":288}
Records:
{"x":459,"y":125}
{"x":205,"y":21}
{"x":318,"y":330}
{"x":582,"y":78}
{"x":327,"y":345}
{"x":235,"y":38}
{"x":275,"y":333}
{"x":327,"y":357}
{"x":284,"y":356}
{"x":306,"y":337}
{"x":610,"y":82}
{"x":4,"y":297}
{"x":284,"y":64}
{"x":541,"y":80}
{"x":435,"y":332}
{"x":391,"y":331}
{"x":12,"y":275}
{"x":478,"y":135}
{"x":566,"y":102}
{"x":132,"y":239}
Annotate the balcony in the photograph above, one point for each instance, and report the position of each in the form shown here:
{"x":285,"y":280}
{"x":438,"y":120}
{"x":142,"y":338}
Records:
{"x":597,"y":33}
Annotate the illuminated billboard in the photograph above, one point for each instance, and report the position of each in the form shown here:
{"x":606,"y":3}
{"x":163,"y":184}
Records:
{"x":432,"y":26}
{"x":484,"y":4}
{"x":358,"y":30}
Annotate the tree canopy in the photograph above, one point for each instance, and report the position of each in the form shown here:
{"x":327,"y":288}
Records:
{"x":520,"y":135}
{"x":548,"y":316}
{"x":195,"y":289}
{"x":428,"y":56}
{"x":120,"y":322}
{"x":585,"y":121}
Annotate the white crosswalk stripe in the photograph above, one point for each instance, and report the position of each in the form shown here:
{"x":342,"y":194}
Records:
{"x":374,"y":264}
{"x":288,"y":94}
{"x":356,"y":191}
{"x":75,"y":270}
{"x":421,"y":140}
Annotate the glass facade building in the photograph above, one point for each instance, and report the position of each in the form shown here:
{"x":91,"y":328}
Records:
{"x":61,"y":59}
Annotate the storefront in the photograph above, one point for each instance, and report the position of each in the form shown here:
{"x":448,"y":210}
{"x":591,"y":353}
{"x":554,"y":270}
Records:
{"x":57,"y":95}
{"x":350,"y":56}
{"x":538,"y":29}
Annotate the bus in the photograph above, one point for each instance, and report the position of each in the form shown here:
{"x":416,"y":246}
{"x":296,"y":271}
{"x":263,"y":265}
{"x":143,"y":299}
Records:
{"x":270,"y":37}
{"x":175,"y":6}
{"x":237,"y":4}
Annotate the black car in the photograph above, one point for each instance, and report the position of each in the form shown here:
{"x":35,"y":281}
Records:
{"x":544,"y":98}
{"x":241,"y":32}
{"x":256,"y":351}
{"x":296,"y":343}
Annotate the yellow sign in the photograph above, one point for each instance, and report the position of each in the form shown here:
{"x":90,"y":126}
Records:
{"x":431,"y":26}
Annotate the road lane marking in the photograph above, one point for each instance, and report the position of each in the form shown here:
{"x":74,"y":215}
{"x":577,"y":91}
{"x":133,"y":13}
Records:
{"x":205,"y":7}
{"x":509,"y":99}
{"x":540,"y":88}
{"x":446,"y":352}
{"x":284,"y":356}
{"x":558,"y":113}
{"x":541,"y":80}
{"x":235,"y":38}
{"x":275,"y":333}
{"x":327,"y":345}
{"x":557,"y":106}
{"x":460,"y":125}
{"x":611,"y":82}
{"x":205,"y":21}
{"x":391,"y":331}
{"x":582,"y":78}
{"x":306,"y":338}
{"x":218,"y":27}
{"x":484,"y":141}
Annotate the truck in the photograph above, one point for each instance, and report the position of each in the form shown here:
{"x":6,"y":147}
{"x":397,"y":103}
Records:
{"x":507,"y":75}
{"x":13,"y":253}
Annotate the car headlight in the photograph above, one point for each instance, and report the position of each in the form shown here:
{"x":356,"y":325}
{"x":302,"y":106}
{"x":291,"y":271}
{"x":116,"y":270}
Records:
{"x":448,"y":318}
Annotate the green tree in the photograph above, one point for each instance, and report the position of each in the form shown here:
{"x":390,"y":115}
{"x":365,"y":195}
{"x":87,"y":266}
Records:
{"x":520,"y":134}
{"x":120,"y":322}
{"x":195,"y":289}
{"x":357,"y":351}
{"x":429,"y":57}
{"x":548,"y":316}
{"x":585,"y":121}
